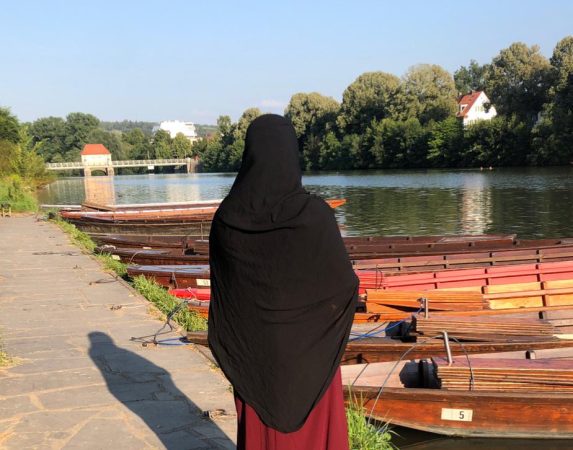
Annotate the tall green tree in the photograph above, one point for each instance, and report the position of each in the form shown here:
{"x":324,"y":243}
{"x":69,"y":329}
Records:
{"x":430,"y":93}
{"x":9,"y":126}
{"x":470,"y":78}
{"x":373,"y":95}
{"x":78,"y":128}
{"x":312,"y":116}
{"x":162,"y":145}
{"x":445,"y":142}
{"x":50,"y":133}
{"x":181,"y":146}
{"x":517,"y":81}
{"x":311,"y":113}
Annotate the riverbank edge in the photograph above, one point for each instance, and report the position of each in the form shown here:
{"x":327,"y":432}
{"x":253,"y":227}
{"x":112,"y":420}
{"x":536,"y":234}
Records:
{"x":163,"y":302}
{"x":362,"y":434}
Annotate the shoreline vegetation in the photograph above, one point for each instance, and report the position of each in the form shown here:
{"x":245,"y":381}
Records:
{"x":362,"y":434}
{"x":383,"y":122}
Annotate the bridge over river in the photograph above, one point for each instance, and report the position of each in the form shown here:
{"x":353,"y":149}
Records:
{"x":88,"y":167}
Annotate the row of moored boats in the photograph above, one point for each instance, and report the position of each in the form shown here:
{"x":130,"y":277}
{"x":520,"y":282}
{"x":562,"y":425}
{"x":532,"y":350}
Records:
{"x":459,"y":335}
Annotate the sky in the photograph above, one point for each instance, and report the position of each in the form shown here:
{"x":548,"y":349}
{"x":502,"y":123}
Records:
{"x":196,"y":60}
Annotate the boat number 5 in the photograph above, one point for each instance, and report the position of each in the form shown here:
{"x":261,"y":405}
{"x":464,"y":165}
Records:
{"x":460,"y":415}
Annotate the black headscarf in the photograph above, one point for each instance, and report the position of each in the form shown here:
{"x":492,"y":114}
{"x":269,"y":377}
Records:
{"x":283,"y":289}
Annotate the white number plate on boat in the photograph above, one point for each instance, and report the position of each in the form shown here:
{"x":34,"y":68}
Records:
{"x":201,"y":282}
{"x":460,"y":415}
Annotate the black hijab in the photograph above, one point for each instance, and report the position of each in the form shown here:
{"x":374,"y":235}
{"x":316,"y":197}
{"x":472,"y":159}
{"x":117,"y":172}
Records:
{"x":283,"y":289}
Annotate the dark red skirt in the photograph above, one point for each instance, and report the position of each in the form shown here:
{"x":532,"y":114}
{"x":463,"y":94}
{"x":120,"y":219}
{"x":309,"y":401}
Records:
{"x":324,"y":429}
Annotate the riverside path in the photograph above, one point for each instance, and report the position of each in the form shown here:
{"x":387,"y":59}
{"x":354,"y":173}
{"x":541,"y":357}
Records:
{"x":79,"y":381}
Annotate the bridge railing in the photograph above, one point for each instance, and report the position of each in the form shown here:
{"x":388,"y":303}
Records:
{"x":125,"y":163}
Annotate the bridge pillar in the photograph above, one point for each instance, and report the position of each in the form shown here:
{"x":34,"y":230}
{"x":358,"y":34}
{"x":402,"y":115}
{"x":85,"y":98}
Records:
{"x":110,"y":172}
{"x":87,"y":172}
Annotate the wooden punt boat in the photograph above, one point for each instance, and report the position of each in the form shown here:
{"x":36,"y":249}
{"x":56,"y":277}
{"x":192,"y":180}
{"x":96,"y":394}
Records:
{"x":369,"y":253}
{"x":445,"y":279}
{"x":156,"y":212}
{"x":561,"y":252}
{"x":147,"y":241}
{"x":195,"y":227}
{"x":386,"y":349}
{"x":153,"y":256}
{"x":174,"y":276}
{"x":408,"y":399}
{"x":91,"y":206}
{"x":418,"y":263}
{"x":394,"y":244}
{"x":557,"y":293}
{"x":194,"y":222}
{"x":467,"y":277}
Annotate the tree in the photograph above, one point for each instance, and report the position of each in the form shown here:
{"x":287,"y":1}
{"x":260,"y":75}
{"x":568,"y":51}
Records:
{"x":517,"y":81}
{"x":470,"y":78}
{"x":373,"y":95}
{"x":161,"y":145}
{"x":332,"y":154}
{"x":552,"y":135}
{"x":240,"y":128}
{"x":78,"y":128}
{"x":502,"y":141}
{"x":445,"y":143}
{"x":312,"y":116}
{"x":430,"y":93}
{"x":50,"y":132}
{"x":9,"y":126}
{"x":112,"y":142}
{"x":181,"y":146}
{"x":311,"y":113}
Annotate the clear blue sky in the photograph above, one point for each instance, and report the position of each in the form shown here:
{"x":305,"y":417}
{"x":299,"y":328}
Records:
{"x":196,"y":60}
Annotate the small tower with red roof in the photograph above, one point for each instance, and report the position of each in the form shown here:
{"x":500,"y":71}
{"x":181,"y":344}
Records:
{"x":96,"y":157}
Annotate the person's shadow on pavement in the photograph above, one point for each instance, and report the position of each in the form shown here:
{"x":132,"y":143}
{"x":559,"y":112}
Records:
{"x":148,"y":391}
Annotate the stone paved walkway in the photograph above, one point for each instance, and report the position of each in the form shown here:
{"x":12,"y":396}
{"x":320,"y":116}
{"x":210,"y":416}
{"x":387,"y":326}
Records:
{"x":80,"y":382}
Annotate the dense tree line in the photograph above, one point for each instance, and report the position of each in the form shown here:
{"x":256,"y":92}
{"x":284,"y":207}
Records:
{"x":63,"y":139}
{"x":385,"y":121}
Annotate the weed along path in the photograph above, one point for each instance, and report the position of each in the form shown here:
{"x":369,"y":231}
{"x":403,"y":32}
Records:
{"x":77,"y":380}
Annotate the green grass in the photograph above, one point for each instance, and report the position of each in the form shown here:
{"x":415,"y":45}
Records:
{"x":19,"y":194}
{"x":166,"y":302}
{"x":153,"y":292}
{"x":363,"y":435}
{"x":78,"y":237}
{"x":113,"y":265}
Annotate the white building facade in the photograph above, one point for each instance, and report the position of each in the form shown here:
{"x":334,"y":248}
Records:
{"x":475,"y":106}
{"x":173,"y":127}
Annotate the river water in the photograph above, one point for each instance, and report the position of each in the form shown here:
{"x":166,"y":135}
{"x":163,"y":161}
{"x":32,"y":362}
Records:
{"x":531,"y":202}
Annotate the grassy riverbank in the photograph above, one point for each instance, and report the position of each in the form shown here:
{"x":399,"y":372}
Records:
{"x":154,"y":293}
{"x":18,"y":194}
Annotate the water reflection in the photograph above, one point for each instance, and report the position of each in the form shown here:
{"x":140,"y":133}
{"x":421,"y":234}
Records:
{"x":531,"y":202}
{"x":100,"y":190}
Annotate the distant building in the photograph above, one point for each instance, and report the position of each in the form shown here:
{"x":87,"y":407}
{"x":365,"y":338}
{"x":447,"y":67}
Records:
{"x":472,"y":107}
{"x":96,"y":156}
{"x":173,"y":127}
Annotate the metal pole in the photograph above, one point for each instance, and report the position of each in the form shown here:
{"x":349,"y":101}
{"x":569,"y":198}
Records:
{"x":448,"y":349}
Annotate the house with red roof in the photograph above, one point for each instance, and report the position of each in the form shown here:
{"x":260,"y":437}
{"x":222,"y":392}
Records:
{"x":475,"y":106}
{"x":96,"y":156}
